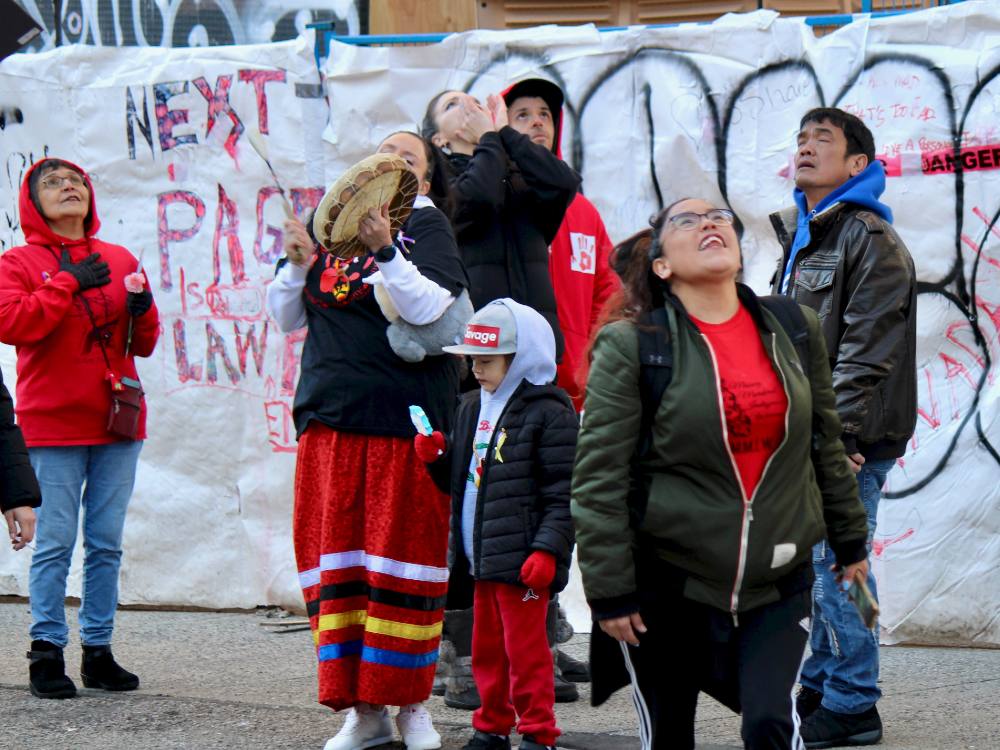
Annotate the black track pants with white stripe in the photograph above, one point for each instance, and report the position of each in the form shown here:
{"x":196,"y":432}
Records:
{"x":691,"y":648}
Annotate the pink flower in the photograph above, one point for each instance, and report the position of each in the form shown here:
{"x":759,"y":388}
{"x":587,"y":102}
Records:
{"x":135,"y":282}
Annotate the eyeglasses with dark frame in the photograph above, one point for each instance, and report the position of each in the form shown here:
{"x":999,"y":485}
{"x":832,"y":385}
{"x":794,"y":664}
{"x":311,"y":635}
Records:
{"x":690,"y":220}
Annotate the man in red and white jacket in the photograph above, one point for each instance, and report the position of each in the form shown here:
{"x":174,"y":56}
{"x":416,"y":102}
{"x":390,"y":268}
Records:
{"x":578,"y":257}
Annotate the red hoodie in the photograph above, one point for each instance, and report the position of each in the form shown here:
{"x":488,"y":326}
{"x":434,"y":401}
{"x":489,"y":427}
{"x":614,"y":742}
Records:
{"x":583,"y":280}
{"x":579,"y":264}
{"x":63,"y":394}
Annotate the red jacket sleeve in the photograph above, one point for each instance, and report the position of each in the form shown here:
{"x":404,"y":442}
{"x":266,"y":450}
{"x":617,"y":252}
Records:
{"x":30,"y":312}
{"x":606,"y":282}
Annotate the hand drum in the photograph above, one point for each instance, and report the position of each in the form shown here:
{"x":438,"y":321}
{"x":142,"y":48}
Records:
{"x":371,"y":183}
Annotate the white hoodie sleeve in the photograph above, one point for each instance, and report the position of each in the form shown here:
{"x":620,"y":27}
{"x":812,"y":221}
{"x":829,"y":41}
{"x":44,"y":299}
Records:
{"x":284,"y":297}
{"x":418,"y":299}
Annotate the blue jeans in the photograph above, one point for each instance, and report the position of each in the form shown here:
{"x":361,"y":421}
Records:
{"x":843,"y":665}
{"x":100,"y":478}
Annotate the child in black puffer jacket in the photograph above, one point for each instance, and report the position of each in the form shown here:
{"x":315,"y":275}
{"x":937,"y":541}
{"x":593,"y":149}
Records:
{"x":509,"y":463}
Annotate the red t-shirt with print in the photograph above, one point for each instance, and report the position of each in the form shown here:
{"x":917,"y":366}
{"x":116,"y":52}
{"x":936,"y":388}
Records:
{"x":752,"y":393}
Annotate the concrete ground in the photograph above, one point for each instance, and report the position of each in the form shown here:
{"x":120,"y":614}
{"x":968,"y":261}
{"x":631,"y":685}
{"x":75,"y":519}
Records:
{"x":223,"y":680}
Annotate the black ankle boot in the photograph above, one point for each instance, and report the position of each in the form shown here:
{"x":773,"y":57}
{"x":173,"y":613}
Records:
{"x":47,"y":672}
{"x":100,"y":670}
{"x":572,"y":669}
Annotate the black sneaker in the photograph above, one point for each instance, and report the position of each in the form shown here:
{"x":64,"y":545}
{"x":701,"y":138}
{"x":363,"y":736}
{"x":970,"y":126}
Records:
{"x":486,"y":741}
{"x":826,"y":728}
{"x":47,"y":672}
{"x":100,"y":670}
{"x":807,"y":701}
{"x":530,"y":743}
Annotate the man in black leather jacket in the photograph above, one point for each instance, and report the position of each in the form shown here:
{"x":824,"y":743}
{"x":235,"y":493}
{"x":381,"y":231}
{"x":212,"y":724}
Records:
{"x":841,"y":256}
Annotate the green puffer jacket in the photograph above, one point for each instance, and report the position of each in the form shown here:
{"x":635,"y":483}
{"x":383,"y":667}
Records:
{"x":733,"y":551}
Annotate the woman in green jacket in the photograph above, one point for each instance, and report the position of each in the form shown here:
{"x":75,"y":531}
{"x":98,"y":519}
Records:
{"x":706,"y":561}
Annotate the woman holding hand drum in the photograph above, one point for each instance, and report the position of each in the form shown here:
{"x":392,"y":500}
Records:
{"x":370,"y":526}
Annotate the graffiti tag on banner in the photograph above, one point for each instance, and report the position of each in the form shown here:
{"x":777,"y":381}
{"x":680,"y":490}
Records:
{"x":135,"y":23}
{"x":943,"y":161}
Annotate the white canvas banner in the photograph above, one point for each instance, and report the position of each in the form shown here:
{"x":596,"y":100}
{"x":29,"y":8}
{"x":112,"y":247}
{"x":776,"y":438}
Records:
{"x":652,"y":115}
{"x":163,"y":134}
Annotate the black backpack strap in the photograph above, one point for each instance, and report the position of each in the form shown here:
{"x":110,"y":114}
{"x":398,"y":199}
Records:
{"x":656,"y":361}
{"x":790,"y":316}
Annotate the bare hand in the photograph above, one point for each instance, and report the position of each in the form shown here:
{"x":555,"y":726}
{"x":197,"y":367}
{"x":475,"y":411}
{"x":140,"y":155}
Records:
{"x":855,"y":461}
{"x":624,"y":628}
{"x":20,"y":526}
{"x":476,"y":122}
{"x":498,"y":110}
{"x":851,"y":571}
{"x":299,"y":248}
{"x":373,"y":229}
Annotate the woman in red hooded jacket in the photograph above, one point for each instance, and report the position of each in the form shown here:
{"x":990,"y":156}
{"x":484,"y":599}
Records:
{"x":77,"y":328}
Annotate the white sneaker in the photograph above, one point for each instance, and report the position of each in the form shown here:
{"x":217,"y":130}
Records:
{"x":364,"y":727}
{"x":416,"y":729}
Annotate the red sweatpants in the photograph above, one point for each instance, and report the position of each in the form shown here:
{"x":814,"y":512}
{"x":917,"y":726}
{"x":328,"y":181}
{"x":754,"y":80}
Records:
{"x":511,"y":662}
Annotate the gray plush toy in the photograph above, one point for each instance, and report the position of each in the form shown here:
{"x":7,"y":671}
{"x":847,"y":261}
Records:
{"x":412,"y":343}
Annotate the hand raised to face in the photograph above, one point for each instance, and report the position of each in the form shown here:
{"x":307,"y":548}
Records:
{"x":476,"y":122}
{"x":498,"y":110}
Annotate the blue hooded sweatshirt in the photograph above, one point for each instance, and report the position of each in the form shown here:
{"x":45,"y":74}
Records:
{"x":862,"y":190}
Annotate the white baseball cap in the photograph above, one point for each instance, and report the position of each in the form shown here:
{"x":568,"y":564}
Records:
{"x":492,"y":330}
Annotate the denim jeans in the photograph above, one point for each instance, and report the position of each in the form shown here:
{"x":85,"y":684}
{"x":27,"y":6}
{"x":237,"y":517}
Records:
{"x":843,"y":665}
{"x":99,"y":478}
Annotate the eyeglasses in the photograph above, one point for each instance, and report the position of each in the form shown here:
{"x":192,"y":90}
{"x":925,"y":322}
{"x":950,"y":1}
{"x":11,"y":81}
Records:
{"x":690,"y":220}
{"x":55,"y":181}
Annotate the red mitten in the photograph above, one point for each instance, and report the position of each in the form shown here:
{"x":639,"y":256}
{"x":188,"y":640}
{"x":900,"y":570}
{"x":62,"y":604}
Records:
{"x":538,"y":570}
{"x":429,"y":447}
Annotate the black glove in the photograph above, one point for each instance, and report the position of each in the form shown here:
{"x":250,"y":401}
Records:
{"x":138,"y":303}
{"x":89,"y":272}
